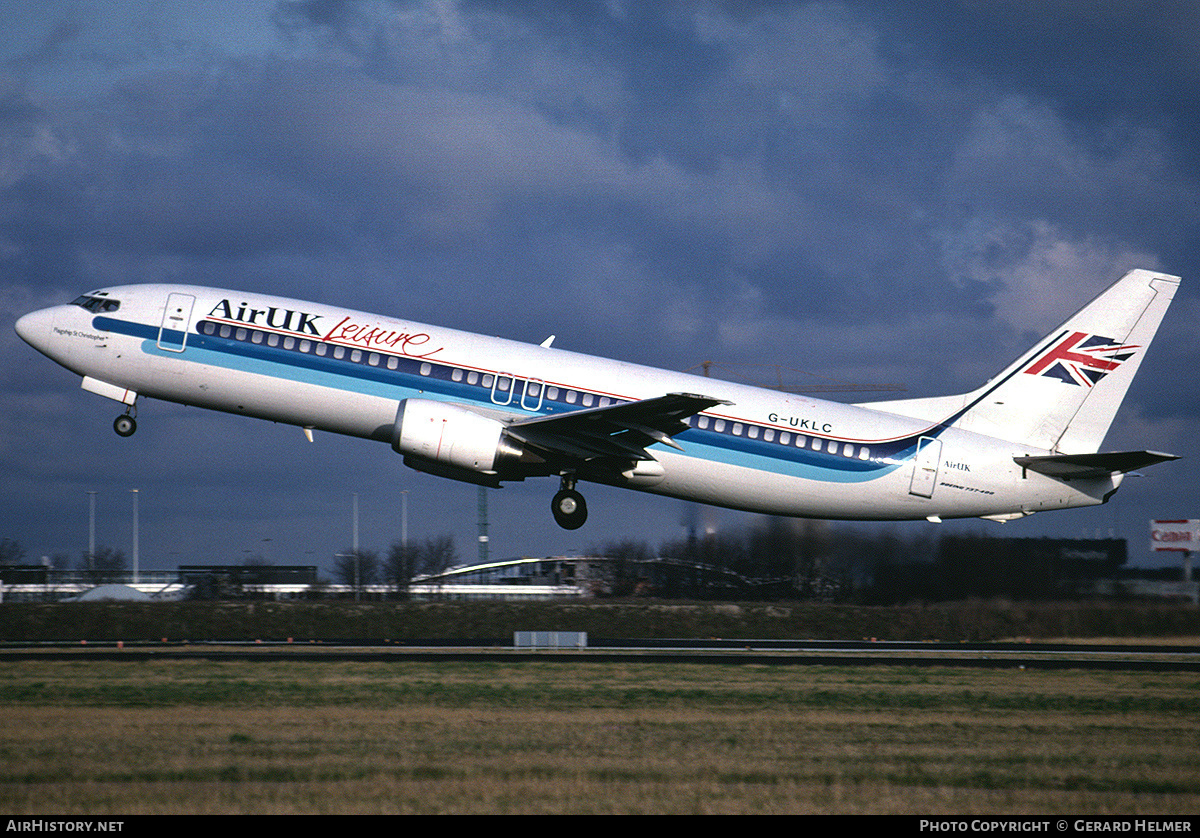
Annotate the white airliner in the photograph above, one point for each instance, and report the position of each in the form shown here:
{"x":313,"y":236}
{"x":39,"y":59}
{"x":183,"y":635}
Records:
{"x":485,"y":410}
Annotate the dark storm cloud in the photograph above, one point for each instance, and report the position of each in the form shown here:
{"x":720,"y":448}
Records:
{"x":662,"y":98}
{"x":1096,"y":62}
{"x":1114,"y":78}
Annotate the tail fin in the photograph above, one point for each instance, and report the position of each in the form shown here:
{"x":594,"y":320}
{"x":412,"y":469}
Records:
{"x":1062,"y":395}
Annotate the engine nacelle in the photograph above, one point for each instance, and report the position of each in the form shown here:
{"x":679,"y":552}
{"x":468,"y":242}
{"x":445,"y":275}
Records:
{"x":450,"y":435}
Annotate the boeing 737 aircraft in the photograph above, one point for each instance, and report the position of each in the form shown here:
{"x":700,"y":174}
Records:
{"x":485,"y":410}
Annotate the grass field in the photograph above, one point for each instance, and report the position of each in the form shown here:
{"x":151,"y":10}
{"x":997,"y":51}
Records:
{"x":554,"y":737}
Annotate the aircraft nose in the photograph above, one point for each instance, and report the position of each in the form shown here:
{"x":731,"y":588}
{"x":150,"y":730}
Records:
{"x":35,"y":328}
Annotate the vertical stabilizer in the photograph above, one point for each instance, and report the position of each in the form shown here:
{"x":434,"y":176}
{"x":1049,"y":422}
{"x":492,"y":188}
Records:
{"x":1062,"y":395}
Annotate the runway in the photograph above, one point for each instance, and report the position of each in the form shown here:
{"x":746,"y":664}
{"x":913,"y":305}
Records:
{"x":1049,"y":656}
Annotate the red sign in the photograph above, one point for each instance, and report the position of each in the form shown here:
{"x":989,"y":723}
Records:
{"x":1181,"y":535}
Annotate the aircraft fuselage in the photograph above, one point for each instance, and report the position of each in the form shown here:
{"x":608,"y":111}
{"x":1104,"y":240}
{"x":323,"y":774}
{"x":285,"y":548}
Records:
{"x":330,"y":369}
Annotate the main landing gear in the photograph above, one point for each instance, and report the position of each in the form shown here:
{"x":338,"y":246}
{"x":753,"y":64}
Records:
{"x":126,"y":423}
{"x":568,"y":506}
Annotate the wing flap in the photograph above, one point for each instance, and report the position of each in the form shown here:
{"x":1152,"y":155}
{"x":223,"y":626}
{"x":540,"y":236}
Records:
{"x":623,"y":431}
{"x":577,"y":445}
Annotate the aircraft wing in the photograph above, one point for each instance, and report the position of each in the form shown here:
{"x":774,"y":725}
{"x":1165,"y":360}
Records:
{"x":1092,"y":465}
{"x":623,"y":430}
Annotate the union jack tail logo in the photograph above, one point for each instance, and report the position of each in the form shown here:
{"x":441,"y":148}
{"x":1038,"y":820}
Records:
{"x":1081,"y":359}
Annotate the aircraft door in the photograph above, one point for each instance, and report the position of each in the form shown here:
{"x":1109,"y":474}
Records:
{"x":502,"y":389}
{"x":177,"y":315}
{"x":531,"y":394}
{"x":505,"y":391}
{"x":925,"y":467}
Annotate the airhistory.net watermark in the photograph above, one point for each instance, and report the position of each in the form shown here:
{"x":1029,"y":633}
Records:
{"x":49,"y":825}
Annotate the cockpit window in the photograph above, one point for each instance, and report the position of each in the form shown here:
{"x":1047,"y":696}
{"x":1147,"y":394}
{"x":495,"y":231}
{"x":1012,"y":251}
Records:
{"x":96,"y":304}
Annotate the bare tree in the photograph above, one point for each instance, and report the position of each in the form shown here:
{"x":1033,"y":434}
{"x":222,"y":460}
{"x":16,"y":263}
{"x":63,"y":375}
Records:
{"x":401,"y":565}
{"x":438,"y":554}
{"x":626,"y":555}
{"x":11,"y":552}
{"x":357,"y":569}
{"x":106,"y":565}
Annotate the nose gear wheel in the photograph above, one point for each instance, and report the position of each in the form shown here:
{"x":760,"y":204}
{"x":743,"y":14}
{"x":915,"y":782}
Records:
{"x":126,"y":424}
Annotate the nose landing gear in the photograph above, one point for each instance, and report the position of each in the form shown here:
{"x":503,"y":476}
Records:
{"x":568,"y":506}
{"x":126,"y":424}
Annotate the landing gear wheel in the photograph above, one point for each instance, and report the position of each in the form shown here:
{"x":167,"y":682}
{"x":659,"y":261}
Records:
{"x":125,"y":425}
{"x":569,"y":508}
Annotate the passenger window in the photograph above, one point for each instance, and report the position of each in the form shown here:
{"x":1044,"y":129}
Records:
{"x":457,"y":375}
{"x":472,"y":377}
{"x":393,"y":362}
{"x":256,"y":337}
{"x":272,"y":340}
{"x":426,"y":368}
{"x":587,"y":399}
{"x":719,"y":426}
{"x":784,"y":438}
{"x":848,"y":450}
{"x":322,"y":349}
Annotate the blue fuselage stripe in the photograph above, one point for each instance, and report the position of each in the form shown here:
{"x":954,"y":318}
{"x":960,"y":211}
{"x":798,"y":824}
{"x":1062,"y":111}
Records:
{"x":406,"y":381}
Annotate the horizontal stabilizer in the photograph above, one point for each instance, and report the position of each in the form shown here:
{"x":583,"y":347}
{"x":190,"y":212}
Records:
{"x":1092,"y":465}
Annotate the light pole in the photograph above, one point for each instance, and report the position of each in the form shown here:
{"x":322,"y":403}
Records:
{"x":355,"y":548}
{"x":483,"y":525}
{"x":91,"y":553}
{"x":404,"y":519}
{"x":354,"y":524}
{"x":135,"y":535}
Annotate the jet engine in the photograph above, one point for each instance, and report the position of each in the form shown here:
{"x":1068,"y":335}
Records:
{"x":451,"y":441}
